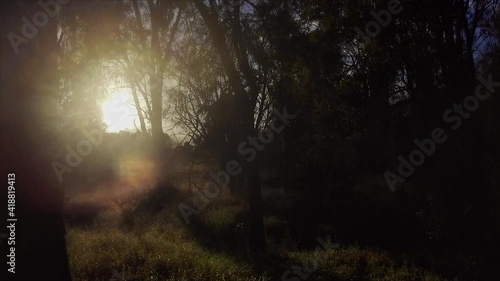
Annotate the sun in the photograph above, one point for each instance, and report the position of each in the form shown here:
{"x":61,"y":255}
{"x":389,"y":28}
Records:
{"x":118,"y":112}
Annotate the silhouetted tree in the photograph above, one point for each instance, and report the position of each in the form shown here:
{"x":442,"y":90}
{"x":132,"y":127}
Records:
{"x":30,"y":87}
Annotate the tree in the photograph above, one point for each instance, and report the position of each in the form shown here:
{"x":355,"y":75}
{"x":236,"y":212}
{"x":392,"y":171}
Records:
{"x":30,"y":83}
{"x":244,"y":87}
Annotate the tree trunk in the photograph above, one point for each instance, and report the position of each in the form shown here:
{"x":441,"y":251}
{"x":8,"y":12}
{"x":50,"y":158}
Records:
{"x":137,"y":103}
{"x":29,"y":82}
{"x":156,"y":87}
{"x":246,"y":103}
{"x":256,"y":239}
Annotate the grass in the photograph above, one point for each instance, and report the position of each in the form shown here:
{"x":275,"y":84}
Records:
{"x":151,"y":242}
{"x":168,"y":251}
{"x":354,"y":263}
{"x":112,"y":254}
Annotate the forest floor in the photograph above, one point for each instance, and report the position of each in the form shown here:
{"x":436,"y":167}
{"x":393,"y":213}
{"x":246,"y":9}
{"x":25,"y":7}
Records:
{"x":128,"y":230}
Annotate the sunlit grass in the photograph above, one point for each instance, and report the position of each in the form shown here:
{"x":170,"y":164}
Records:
{"x":354,"y":263}
{"x":109,"y":253}
{"x":169,"y":252}
{"x":151,"y":242}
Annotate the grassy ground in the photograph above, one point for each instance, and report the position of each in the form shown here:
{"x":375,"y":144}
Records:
{"x":157,"y":253}
{"x":146,"y":239}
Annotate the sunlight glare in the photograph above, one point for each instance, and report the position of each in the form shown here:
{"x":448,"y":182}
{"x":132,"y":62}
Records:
{"x":118,"y":113}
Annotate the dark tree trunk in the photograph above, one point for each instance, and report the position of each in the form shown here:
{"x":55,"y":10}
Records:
{"x":29,"y":82}
{"x":256,"y":239}
{"x":137,"y":103}
{"x":245,"y":101}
